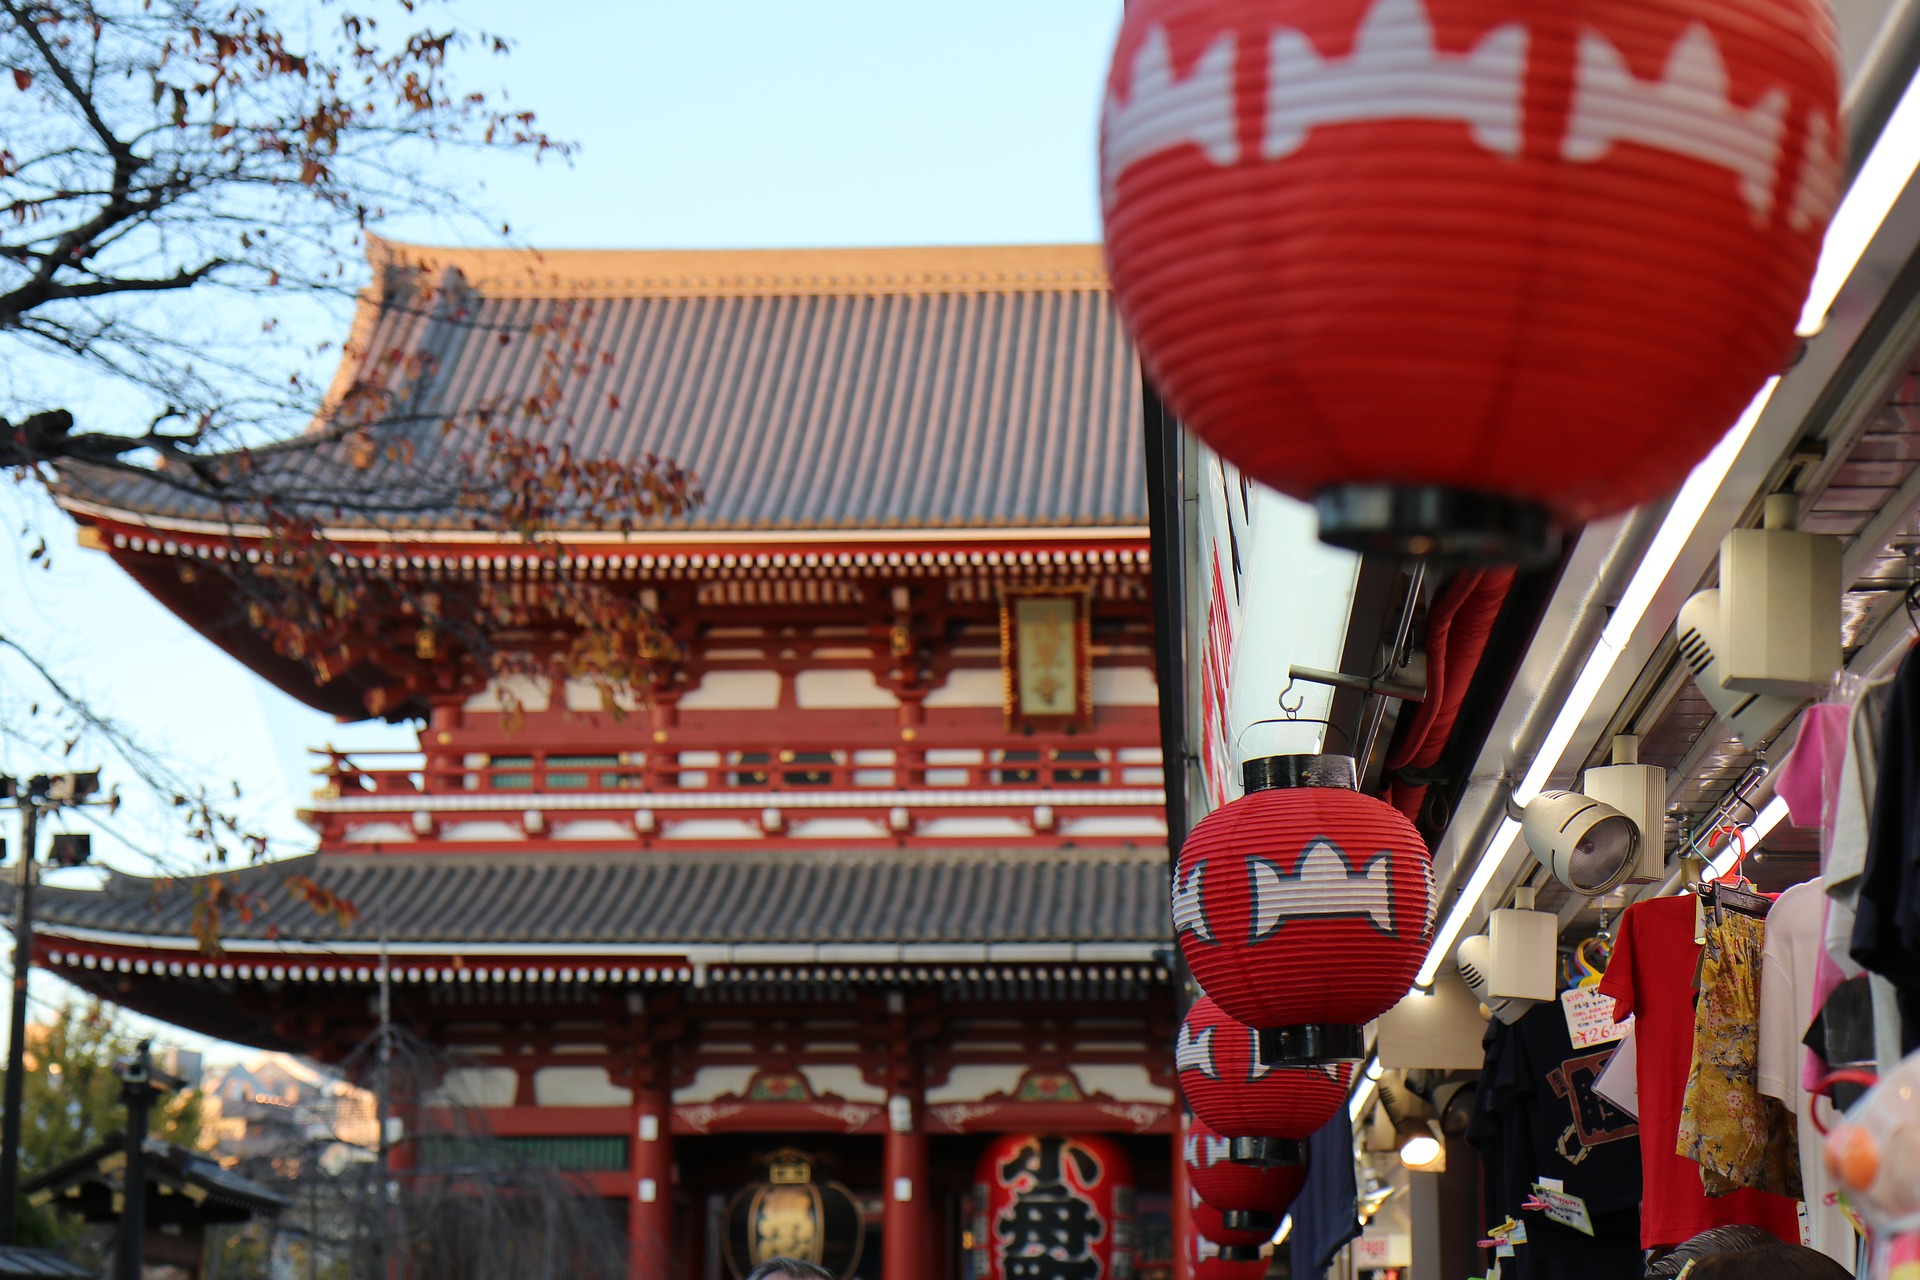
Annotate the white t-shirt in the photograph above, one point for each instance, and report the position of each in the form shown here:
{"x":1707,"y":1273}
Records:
{"x":1795,"y":938}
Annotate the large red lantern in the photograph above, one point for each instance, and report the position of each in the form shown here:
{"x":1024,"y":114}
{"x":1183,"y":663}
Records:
{"x":1238,"y":1241}
{"x":1304,"y":908}
{"x":1459,"y":270}
{"x":1247,"y":1195}
{"x":1266,"y":1113}
{"x":1052,"y":1204}
{"x":1209,"y":1264}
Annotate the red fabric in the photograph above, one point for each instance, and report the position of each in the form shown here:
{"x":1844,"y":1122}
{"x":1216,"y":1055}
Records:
{"x":1228,"y":1186}
{"x":1304,"y":905}
{"x":1476,"y":243}
{"x":1232,"y":1094}
{"x":1650,"y":976}
{"x":1209,"y":1265}
{"x":1458,"y":627}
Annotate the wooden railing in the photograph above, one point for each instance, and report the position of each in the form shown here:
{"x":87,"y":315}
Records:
{"x":800,"y":768}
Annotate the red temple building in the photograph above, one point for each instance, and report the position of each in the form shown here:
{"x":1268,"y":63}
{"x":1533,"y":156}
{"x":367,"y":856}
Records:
{"x":877,"y":870}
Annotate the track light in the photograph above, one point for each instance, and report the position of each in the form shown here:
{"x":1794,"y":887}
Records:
{"x":1419,"y":1143}
{"x":1590,"y":847}
{"x":1475,"y":959}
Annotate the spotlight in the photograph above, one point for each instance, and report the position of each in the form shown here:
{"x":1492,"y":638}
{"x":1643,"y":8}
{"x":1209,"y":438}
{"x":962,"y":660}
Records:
{"x":1590,"y":847}
{"x":1419,"y":1143}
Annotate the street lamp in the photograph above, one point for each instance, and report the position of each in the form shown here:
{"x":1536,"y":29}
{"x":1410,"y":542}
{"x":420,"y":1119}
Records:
{"x":41,"y":793}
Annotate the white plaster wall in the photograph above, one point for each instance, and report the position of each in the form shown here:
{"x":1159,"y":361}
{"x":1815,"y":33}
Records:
{"x":970,"y":687}
{"x":842,"y":1082}
{"x":974,"y":1082}
{"x":714,"y":1082}
{"x":1122,"y":1083}
{"x":478,"y":1087}
{"x":578,"y":1087}
{"x":734,"y":691}
{"x":1124,"y":687}
{"x":841,"y":690}
{"x":531,"y":693}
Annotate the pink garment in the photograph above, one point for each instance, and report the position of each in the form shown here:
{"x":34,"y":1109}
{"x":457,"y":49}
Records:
{"x":1809,"y":781}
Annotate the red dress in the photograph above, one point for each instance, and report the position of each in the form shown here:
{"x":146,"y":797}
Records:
{"x":1651,"y":976}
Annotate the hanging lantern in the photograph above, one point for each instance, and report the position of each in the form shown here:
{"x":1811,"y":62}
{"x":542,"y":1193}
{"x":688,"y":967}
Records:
{"x":1266,"y":1113}
{"x":1245,"y":1194}
{"x":1208,"y":1264}
{"x":1304,"y":907}
{"x":1460,"y":271}
{"x":793,"y":1213}
{"x":1237,"y":1243}
{"x":1047,"y":1204}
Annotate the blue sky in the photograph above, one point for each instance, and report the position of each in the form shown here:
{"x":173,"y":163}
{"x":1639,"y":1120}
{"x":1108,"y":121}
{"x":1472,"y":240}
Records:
{"x":718,"y":124}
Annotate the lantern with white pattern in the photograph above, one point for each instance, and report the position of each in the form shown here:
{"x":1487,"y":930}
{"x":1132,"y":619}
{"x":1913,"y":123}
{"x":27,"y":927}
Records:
{"x":1304,"y":908}
{"x":1462,"y":271}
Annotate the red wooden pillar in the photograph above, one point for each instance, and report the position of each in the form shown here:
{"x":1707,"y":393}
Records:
{"x":907,"y":1252}
{"x":1182,"y":1201}
{"x":650,"y":1198}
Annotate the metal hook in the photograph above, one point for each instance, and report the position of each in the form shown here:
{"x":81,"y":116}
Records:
{"x":1299,"y":700}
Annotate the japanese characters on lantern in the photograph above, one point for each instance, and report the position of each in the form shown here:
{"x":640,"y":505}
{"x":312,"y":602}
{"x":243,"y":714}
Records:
{"x":1053,"y":1207}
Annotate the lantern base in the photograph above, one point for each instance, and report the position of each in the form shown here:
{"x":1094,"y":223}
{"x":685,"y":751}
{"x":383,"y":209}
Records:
{"x":1241,"y":1252}
{"x":1434,"y":520}
{"x":1250,"y":1220}
{"x":1267,"y":1153}
{"x":1312,"y":1045}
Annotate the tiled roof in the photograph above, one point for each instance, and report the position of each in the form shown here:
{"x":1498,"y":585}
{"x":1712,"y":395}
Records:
{"x":821,"y":389}
{"x":1056,"y":896}
{"x":17,"y":1260}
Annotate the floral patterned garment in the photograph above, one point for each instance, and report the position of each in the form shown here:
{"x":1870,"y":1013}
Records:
{"x":1738,"y":1137}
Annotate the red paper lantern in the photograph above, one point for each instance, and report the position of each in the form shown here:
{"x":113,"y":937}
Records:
{"x":1265,"y":1112}
{"x":1458,"y":270}
{"x":1304,"y":908}
{"x":1231,"y":1186}
{"x":1239,"y":1240}
{"x":1052,"y":1203}
{"x":1208,"y":1264}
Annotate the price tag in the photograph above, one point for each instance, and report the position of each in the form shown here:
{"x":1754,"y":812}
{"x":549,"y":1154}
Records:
{"x":1567,"y":1210}
{"x":1590,"y":1018}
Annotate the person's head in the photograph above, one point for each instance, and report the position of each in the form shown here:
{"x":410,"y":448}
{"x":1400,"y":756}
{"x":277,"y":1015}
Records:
{"x":1774,"y":1261}
{"x":1734,"y":1239}
{"x":788,"y":1269}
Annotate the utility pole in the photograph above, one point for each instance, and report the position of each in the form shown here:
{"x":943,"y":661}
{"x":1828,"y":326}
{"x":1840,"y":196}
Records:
{"x":137,"y":1090}
{"x":41,"y":792}
{"x":26,"y":874}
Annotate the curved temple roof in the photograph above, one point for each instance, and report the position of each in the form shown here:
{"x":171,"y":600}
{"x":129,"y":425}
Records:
{"x":983,"y":388}
{"x":661,"y":900}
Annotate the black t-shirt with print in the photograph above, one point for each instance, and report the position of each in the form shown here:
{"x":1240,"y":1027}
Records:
{"x":1538,"y":1117}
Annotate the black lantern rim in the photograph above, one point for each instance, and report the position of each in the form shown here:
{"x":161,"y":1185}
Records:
{"x":1240,"y":1253}
{"x":1267,"y":1153}
{"x":1250,"y":1220}
{"x":1459,"y":525}
{"x":1311,"y":1045}
{"x":1279,"y":773}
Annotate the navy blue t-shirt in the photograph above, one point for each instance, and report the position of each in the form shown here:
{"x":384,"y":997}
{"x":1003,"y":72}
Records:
{"x":1536,"y":1116}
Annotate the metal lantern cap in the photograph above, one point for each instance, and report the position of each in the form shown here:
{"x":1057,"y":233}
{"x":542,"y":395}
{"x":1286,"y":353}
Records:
{"x":1436,"y":520}
{"x":1278,"y":773}
{"x":1267,"y":1153}
{"x":1315,"y":1044}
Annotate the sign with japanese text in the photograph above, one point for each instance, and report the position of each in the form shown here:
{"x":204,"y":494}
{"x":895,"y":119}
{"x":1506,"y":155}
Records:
{"x":1053,"y":1207}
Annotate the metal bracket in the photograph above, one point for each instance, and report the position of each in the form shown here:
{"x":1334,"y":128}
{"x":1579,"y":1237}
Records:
{"x":1374,"y":685}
